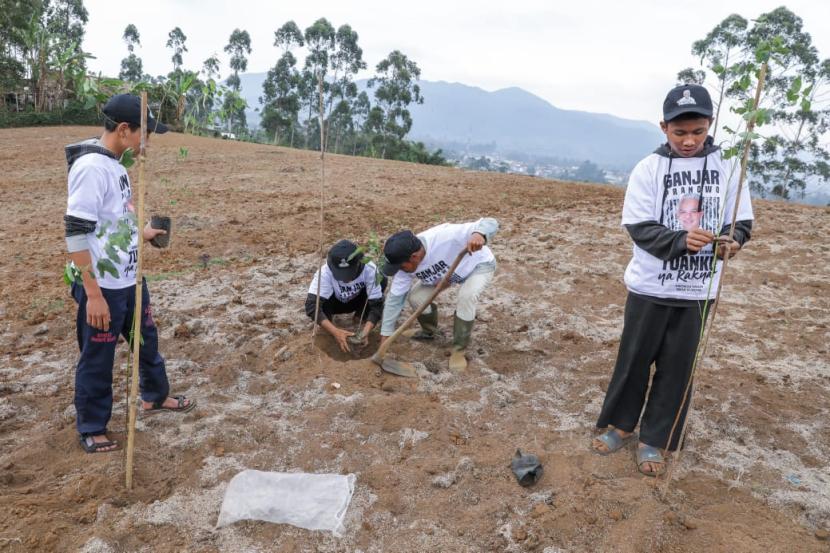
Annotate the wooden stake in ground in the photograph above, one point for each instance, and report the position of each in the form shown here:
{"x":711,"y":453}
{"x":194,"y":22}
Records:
{"x":136,"y":333}
{"x":322,"y":202}
{"x":704,"y":341}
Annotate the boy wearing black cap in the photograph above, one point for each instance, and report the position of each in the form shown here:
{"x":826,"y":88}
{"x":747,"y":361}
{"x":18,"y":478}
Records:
{"x":99,"y":196}
{"x":678,"y":200}
{"x":346,"y":283}
{"x":419,"y":262}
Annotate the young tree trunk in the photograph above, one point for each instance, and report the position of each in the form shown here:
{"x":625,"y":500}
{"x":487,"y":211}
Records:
{"x":40,"y":92}
{"x":308,"y":120}
{"x":722,"y":90}
{"x":180,"y":109}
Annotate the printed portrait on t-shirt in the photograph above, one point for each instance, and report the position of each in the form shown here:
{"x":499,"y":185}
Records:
{"x":689,"y":212}
{"x":685,"y":212}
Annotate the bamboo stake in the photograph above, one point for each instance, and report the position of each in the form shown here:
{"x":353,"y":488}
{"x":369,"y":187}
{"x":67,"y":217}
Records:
{"x":703,"y":343}
{"x":322,"y":187}
{"x":136,"y":333}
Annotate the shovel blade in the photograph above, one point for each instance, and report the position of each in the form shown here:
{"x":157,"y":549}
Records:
{"x":399,"y":368}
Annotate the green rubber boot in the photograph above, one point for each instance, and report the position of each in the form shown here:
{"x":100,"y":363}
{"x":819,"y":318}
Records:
{"x":429,"y":325}
{"x":461,"y":332}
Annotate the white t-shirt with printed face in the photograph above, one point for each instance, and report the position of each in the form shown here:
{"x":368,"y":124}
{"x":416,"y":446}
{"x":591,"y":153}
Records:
{"x":347,"y":291}
{"x":443,"y":243}
{"x":99,"y":190}
{"x":688,"y":276}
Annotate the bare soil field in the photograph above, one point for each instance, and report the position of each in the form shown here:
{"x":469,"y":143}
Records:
{"x":431,"y":455}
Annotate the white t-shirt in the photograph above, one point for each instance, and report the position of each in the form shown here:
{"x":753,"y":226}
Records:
{"x":442,"y":244}
{"x":686,"y":277}
{"x":347,"y":291}
{"x":99,"y":190}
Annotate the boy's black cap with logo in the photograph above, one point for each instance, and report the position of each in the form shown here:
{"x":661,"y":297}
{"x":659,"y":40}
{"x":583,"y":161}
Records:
{"x":399,"y":248}
{"x":126,"y":108}
{"x":343,"y":268}
{"x":687,"y":98}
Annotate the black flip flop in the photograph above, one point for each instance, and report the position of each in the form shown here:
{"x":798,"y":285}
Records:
{"x":91,"y":446}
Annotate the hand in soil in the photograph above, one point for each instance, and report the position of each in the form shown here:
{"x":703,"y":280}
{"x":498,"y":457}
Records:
{"x":359,"y":340}
{"x":341,"y":335}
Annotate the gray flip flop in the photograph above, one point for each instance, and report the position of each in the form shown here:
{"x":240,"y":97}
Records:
{"x":649,"y":454}
{"x":158,"y":406}
{"x":613,"y":441}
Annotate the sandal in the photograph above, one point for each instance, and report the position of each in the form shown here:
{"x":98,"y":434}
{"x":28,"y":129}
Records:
{"x":649,"y":454}
{"x":158,"y":406}
{"x":91,"y":446}
{"x":613,"y":441}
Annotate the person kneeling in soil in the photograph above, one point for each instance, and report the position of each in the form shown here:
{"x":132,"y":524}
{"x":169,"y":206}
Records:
{"x":420,"y":262}
{"x":678,"y":199}
{"x":348,"y":285}
{"x":99,"y":196}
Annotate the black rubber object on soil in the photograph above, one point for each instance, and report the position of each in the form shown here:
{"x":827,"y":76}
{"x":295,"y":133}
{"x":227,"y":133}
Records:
{"x":527,"y":468}
{"x":163,"y":223}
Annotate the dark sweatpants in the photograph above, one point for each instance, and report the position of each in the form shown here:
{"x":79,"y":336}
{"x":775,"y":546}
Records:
{"x":93,"y":376}
{"x":666,"y":335}
{"x":332,"y":306}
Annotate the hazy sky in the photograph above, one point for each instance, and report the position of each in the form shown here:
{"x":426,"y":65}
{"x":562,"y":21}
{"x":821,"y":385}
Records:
{"x":600,"y":56}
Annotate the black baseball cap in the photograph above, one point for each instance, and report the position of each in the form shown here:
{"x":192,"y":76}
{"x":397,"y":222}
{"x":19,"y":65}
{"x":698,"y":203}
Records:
{"x":399,"y":248}
{"x":126,"y":108}
{"x":343,"y":268}
{"x":687,"y":98}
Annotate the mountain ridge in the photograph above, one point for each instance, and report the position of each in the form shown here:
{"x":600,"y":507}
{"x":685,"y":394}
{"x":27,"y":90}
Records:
{"x":510,"y":122}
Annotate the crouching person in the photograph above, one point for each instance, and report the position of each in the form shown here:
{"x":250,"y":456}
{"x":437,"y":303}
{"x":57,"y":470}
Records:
{"x":345,"y":285}
{"x":419,"y":262}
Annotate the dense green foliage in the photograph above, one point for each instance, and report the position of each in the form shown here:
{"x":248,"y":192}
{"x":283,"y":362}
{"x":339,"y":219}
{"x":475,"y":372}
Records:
{"x":44,"y":81}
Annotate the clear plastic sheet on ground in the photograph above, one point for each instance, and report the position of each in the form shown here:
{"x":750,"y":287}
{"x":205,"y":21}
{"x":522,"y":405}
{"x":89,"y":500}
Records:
{"x":311,"y":501}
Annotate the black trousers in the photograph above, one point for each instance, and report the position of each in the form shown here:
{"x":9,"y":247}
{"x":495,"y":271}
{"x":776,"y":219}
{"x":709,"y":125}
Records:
{"x":333,"y":306}
{"x":93,"y":375}
{"x":666,"y":335}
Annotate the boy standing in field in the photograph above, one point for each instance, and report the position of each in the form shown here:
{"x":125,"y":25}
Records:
{"x":99,"y":196}
{"x":678,"y":200}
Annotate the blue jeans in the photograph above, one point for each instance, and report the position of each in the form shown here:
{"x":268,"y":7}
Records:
{"x":93,"y":376}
